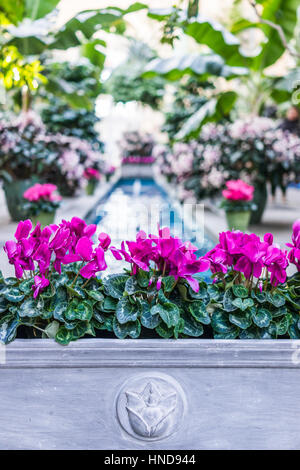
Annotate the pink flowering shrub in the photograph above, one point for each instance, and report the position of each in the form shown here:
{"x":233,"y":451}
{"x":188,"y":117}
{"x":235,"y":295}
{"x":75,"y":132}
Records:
{"x":247,"y":255}
{"x":237,"y":190}
{"x":92,"y":174}
{"x":50,"y":157}
{"x":238,"y":196}
{"x":57,"y":291}
{"x":162,"y":255}
{"x":41,"y":198}
{"x":294,"y":254}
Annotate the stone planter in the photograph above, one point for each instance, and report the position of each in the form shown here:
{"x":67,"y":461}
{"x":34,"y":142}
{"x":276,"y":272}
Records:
{"x":150,"y":394}
{"x":45,"y":218}
{"x":238,"y":220}
{"x":14,"y":197}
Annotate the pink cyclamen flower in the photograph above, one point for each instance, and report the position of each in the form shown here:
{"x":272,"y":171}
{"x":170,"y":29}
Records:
{"x":276,"y":262}
{"x":97,"y":264}
{"x":104,"y":240}
{"x":42,"y":191}
{"x":13,"y":253}
{"x":238,"y":190}
{"x":294,"y":254}
{"x":40,"y":282}
{"x":23,"y":229}
{"x":92,"y":173}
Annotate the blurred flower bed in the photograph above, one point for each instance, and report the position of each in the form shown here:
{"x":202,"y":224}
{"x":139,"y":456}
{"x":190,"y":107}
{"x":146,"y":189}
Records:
{"x":28,"y":150}
{"x":255,"y":150}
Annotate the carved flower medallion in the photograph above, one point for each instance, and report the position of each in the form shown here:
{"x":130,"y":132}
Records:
{"x":150,"y":407}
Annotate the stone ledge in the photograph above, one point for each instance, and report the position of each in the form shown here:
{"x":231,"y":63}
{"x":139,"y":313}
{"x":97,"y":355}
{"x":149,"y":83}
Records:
{"x":153,"y":353}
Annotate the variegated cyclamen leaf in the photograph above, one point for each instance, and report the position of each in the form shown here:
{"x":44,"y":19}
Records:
{"x":199,"y":312}
{"x":13,"y":295}
{"x":114,"y":285}
{"x":147,"y":319}
{"x":126,"y":311}
{"x":168,"y":312}
{"x":132,"y":329}
{"x":29,"y":308}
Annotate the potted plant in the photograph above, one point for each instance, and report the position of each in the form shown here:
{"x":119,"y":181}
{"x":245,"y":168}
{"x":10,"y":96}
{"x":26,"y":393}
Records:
{"x":92,"y":176}
{"x":238,"y":204}
{"x":255,"y":150}
{"x":136,"y":155}
{"x":23,"y":159}
{"x":41,"y":202}
{"x":153,"y":387}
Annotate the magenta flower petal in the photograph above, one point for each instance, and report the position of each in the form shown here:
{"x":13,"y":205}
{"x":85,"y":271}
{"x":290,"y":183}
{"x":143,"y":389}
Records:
{"x":84,"y":248}
{"x":23,"y":229}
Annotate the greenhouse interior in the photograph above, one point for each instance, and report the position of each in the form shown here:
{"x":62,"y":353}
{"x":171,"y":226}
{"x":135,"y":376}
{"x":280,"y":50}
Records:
{"x":150,"y":226}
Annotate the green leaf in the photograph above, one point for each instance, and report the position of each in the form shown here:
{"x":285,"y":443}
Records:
{"x":49,"y":292}
{"x":243,"y":304}
{"x":262,"y":317}
{"x":11,"y":281}
{"x":168,"y":312}
{"x":109,"y":304}
{"x":243,"y":321}
{"x":75,"y":291}
{"x":240,"y":291}
{"x":191,"y":326}
{"x":168,"y":283}
{"x":163,"y":331}
{"x":63,"y":336}
{"x":103,"y":323}
{"x":52,"y":329}
{"x":8,"y":328}
{"x":261,"y":297}
{"x":80,"y":330}
{"x":276,"y":299}
{"x":93,"y":50}
{"x":202,"y":293}
{"x":232,"y":334}
{"x":220,"y":322}
{"x":284,"y":14}
{"x":251,"y":333}
{"x":228,"y":304}
{"x":3,"y":304}
{"x":179,"y":328}
{"x":126,"y":311}
{"x":95,"y":294}
{"x":278,"y":312}
{"x":213,"y":292}
{"x":132,"y":329}
{"x":13,"y":295}
{"x":30,"y":308}
{"x":294,"y":332}
{"x":79,"y":311}
{"x":199,"y":312}
{"x":115,"y":285}
{"x":35,"y":9}
{"x":59,"y":310}
{"x":283,"y":325}
{"x":147,"y":319}
{"x":132,"y":286}
{"x":143,"y":278}
{"x":215,"y":36}
{"x":26,"y":286}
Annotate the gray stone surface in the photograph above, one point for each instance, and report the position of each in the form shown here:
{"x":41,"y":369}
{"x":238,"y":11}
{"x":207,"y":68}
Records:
{"x":184,"y":394}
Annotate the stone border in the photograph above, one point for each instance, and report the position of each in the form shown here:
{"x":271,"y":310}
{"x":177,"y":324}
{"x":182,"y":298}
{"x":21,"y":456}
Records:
{"x":153,"y":353}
